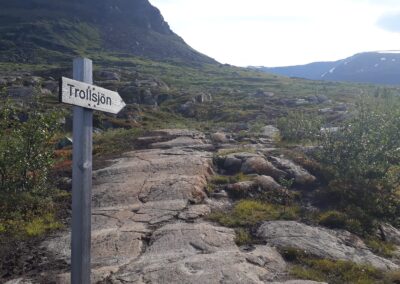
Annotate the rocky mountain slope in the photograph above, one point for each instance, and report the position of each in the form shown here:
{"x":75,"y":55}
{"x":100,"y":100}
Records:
{"x":151,"y":224}
{"x":48,"y":31}
{"x":381,"y":67}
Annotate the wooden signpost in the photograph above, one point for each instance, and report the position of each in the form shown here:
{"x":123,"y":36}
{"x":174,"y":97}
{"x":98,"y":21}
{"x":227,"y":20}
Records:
{"x":85,"y":97}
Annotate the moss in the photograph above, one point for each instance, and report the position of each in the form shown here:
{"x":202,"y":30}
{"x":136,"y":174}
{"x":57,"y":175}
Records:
{"x":220,"y":180}
{"x":333,"y":219}
{"x":115,"y":141}
{"x":40,"y":225}
{"x":380,"y":247}
{"x":223,"y":180}
{"x":337,"y":272}
{"x":250,"y":212}
{"x":243,"y":237}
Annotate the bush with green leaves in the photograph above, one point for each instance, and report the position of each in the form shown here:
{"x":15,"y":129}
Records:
{"x":25,"y":149}
{"x":300,"y":126}
{"x":26,"y":158}
{"x":361,"y":162}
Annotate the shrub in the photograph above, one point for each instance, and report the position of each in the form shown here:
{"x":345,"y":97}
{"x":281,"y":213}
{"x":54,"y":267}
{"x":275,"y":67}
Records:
{"x":333,"y":219}
{"x":361,"y":162}
{"x":300,"y":127}
{"x":26,"y":152}
{"x":26,"y":158}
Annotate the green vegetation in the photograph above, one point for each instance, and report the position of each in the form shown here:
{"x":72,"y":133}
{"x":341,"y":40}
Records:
{"x":338,"y":272}
{"x":247,"y":213}
{"x":243,"y":237}
{"x":380,"y":247}
{"x":27,"y":205}
{"x":115,"y":141}
{"x":333,"y":219}
{"x":333,"y":271}
{"x":300,"y":127}
{"x":360,"y":163}
{"x":222,"y":180}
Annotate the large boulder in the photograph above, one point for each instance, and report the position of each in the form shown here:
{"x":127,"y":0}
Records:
{"x":259,"y":186}
{"x":321,"y":242}
{"x":267,"y":183}
{"x":259,"y":165}
{"x":299,"y":174}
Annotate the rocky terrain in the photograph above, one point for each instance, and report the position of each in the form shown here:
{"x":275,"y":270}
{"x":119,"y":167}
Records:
{"x":150,"y":218}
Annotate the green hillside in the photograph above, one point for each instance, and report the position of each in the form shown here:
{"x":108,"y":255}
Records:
{"x":38,"y":31}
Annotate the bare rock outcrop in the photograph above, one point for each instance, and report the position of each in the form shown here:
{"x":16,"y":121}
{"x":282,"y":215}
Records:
{"x":147,"y":225}
{"x":321,"y":242}
{"x":200,"y":253}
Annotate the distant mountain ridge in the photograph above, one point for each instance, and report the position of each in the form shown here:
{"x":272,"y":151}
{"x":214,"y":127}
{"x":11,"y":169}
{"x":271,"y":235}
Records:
{"x":39,"y":31}
{"x":379,"y":67}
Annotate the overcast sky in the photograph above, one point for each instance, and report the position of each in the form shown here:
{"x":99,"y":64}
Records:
{"x":284,"y":32}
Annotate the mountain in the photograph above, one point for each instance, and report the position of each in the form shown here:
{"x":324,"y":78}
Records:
{"x":381,"y":67}
{"x":45,"y":31}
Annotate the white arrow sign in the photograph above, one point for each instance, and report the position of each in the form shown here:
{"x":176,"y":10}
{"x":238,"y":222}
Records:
{"x":89,"y":96}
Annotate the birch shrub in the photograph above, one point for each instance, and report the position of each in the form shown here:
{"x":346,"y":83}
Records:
{"x":26,"y":157}
{"x":362,"y":162}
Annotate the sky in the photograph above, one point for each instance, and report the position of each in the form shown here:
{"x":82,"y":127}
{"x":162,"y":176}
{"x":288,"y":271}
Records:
{"x":283,"y":32}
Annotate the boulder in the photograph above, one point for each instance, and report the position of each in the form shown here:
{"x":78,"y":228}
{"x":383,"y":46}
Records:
{"x":258,"y":165}
{"x":202,"y":98}
{"x":243,"y":188}
{"x":130,"y":94}
{"x":263,"y":94}
{"x":322,"y":99}
{"x":267,"y":183}
{"x":45,"y":92}
{"x":300,"y":175}
{"x":270,"y":132}
{"x":51,"y":85}
{"x":219,"y":137}
{"x":32,"y":81}
{"x":321,"y":242}
{"x":232,"y":164}
{"x":187,"y":109}
{"x":178,"y":142}
{"x":20,"y":92}
{"x":390,"y":234}
{"x":257,"y":187}
{"x":148,"y":98}
{"x":108,"y":76}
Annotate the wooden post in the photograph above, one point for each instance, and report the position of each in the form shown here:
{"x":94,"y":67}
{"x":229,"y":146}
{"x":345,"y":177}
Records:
{"x":81,"y":181}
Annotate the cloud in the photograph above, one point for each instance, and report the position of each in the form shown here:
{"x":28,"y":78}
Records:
{"x":390,"y":22}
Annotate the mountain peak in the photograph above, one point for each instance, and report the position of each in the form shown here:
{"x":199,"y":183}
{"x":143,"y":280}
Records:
{"x":38,"y":31}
